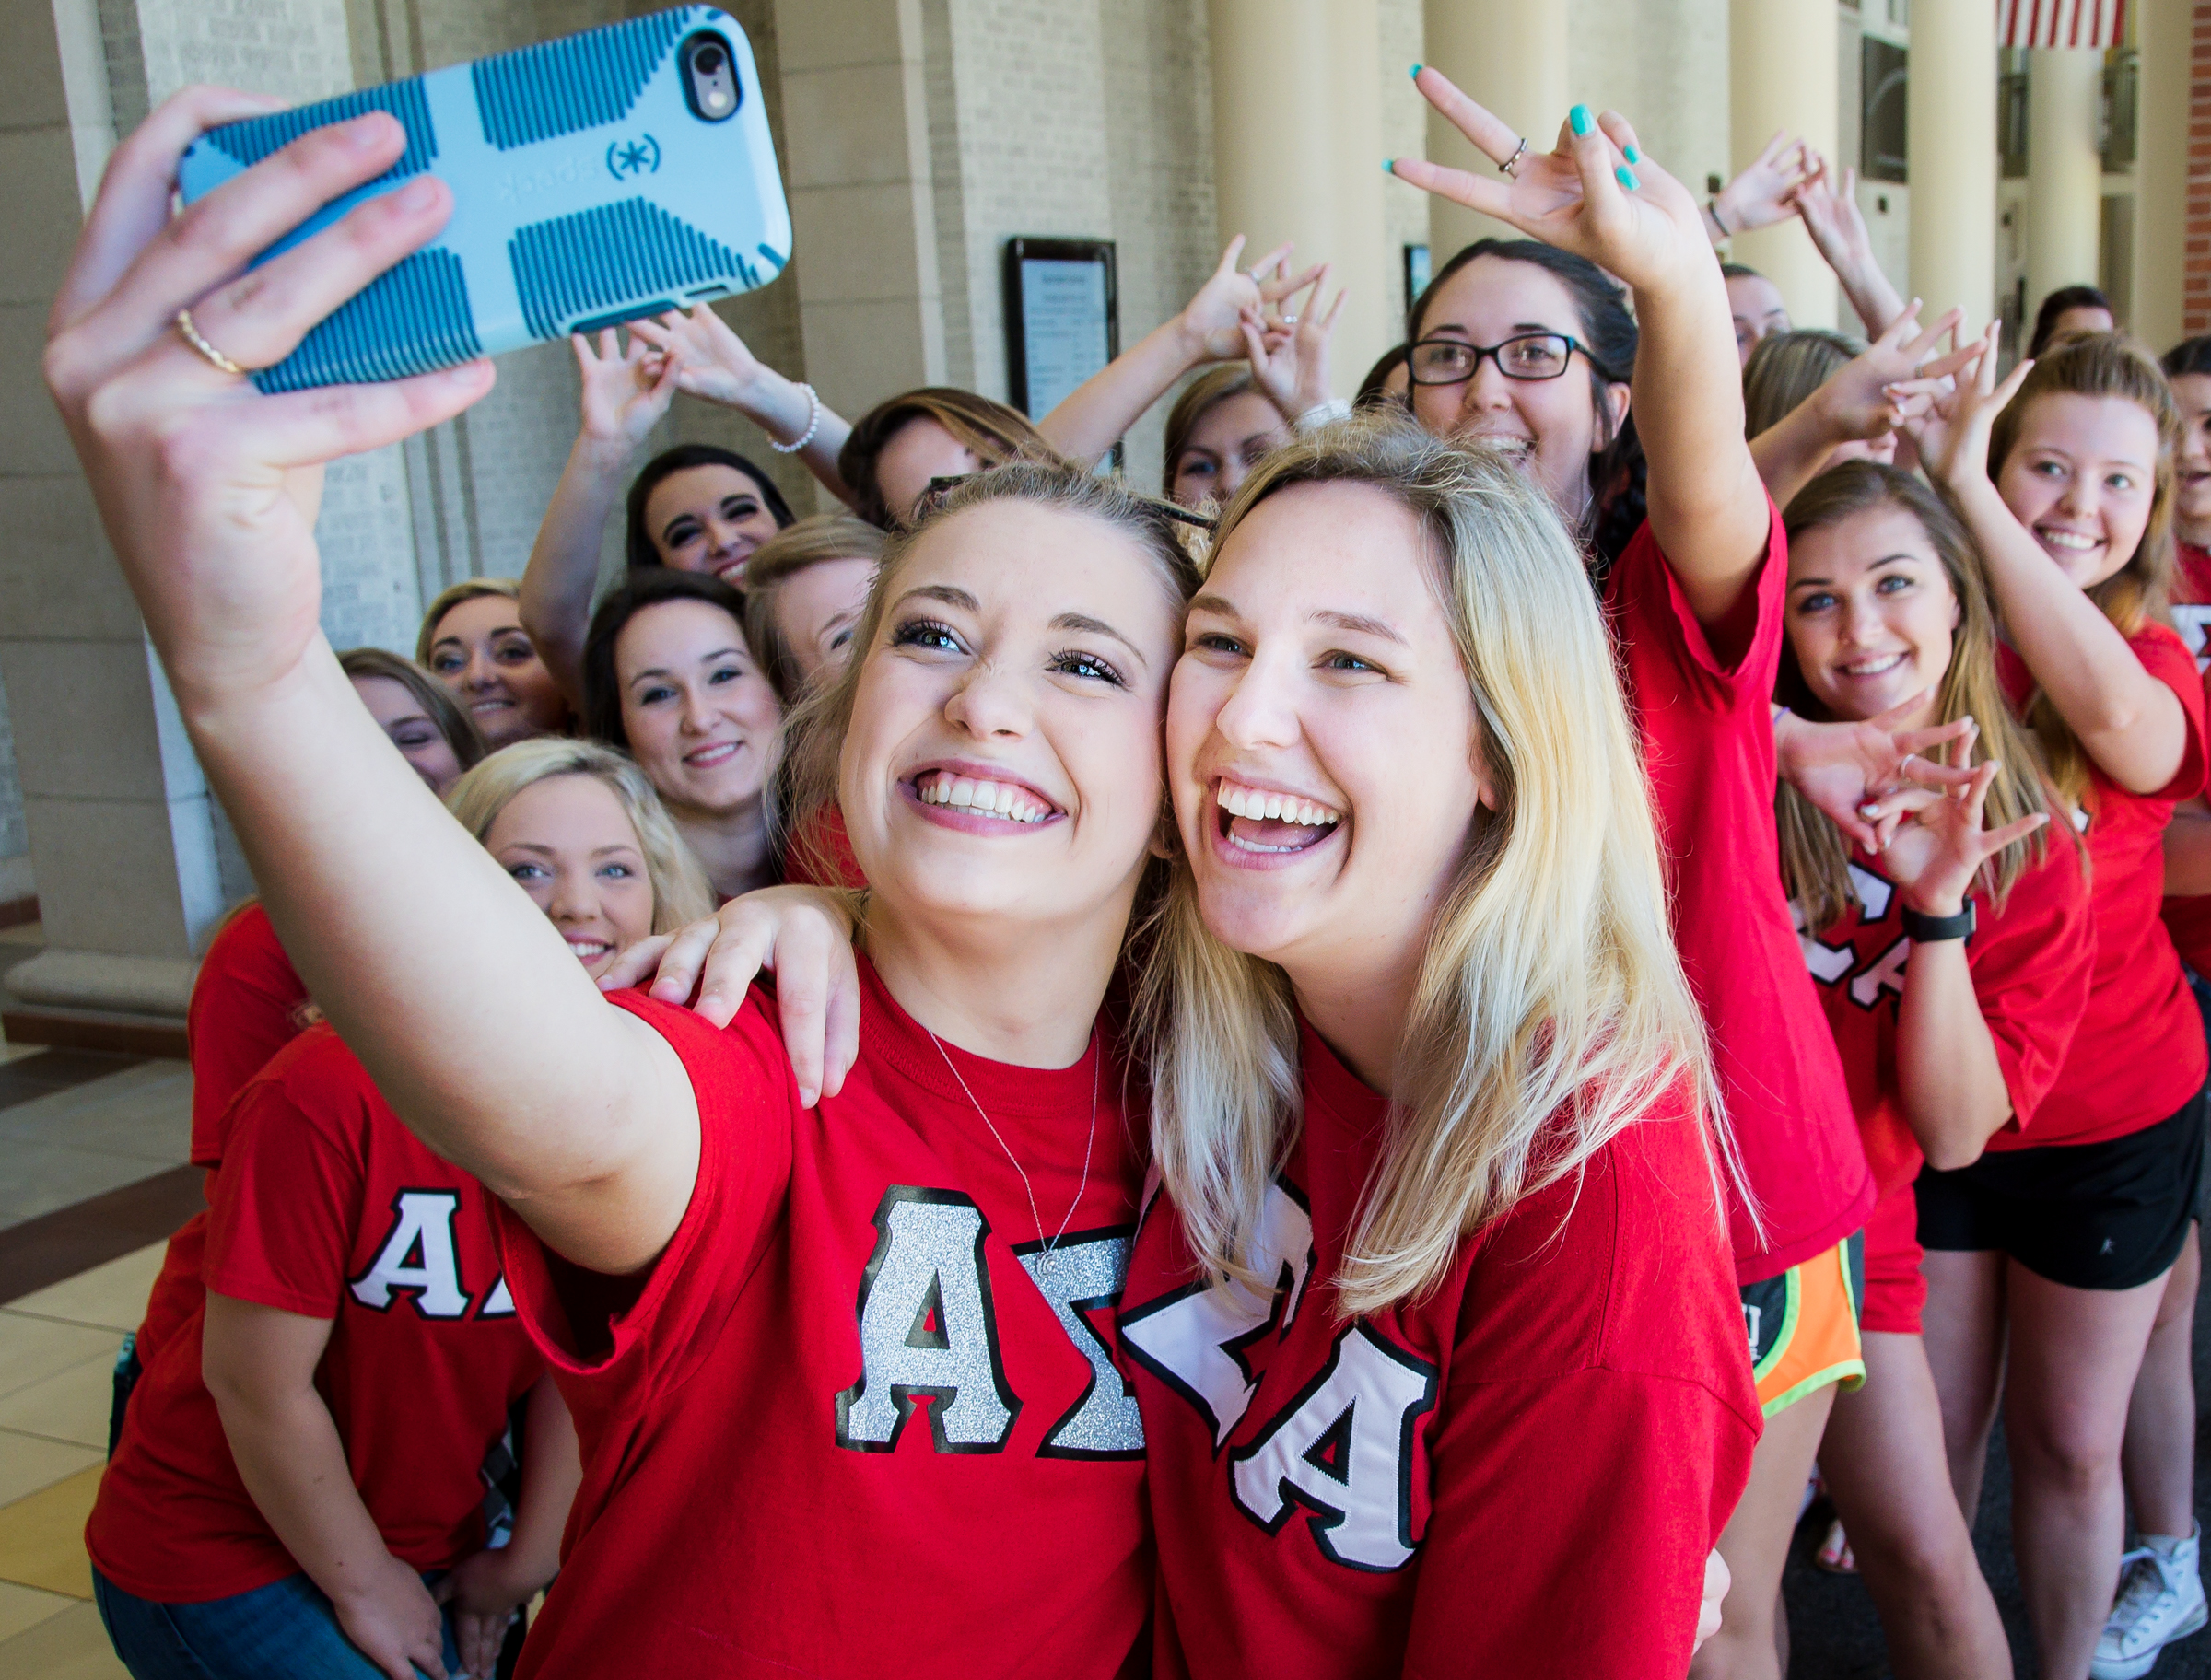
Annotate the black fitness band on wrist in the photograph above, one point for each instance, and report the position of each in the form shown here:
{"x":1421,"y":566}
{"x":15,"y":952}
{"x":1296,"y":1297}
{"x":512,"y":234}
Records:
{"x":1712,"y":208}
{"x":1926,"y":929}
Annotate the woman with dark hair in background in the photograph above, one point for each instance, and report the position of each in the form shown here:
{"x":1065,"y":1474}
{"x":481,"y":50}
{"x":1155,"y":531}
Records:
{"x":1756,"y":305}
{"x":669,"y":678}
{"x":699,"y":507}
{"x":898,"y":448}
{"x":472,"y":641}
{"x":2070,"y":312}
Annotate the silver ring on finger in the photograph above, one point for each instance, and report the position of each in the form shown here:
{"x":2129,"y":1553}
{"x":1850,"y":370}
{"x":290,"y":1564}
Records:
{"x":1513,"y":163}
{"x":1904,"y":766}
{"x":190,"y":334}
{"x":1289,"y":320}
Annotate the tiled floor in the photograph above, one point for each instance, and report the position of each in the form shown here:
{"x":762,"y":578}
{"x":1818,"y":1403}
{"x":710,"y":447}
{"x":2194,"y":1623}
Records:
{"x":57,"y":1352}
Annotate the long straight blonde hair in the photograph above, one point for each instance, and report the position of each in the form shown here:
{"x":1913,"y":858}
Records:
{"x":1550,"y":1013}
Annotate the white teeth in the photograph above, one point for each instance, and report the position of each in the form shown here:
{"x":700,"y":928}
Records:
{"x":2069,"y":539}
{"x":991,"y":798}
{"x":1240,"y":801}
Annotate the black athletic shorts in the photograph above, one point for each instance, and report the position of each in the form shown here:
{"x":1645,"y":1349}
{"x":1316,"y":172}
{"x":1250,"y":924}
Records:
{"x":2090,"y":1216}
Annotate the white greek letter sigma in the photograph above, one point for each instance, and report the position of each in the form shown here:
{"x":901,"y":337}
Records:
{"x":928,"y":1330}
{"x":1343,"y":1451}
{"x":1194,"y":1339}
{"x":418,"y":1259}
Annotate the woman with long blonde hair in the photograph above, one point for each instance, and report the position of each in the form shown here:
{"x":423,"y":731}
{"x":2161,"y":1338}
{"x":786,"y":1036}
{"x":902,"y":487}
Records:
{"x":1438,"y":1291}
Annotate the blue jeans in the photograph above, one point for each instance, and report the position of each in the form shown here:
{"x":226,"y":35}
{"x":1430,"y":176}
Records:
{"x":286,"y":1631}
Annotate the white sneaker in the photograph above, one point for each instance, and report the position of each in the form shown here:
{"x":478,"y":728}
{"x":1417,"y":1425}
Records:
{"x":2160,"y":1600}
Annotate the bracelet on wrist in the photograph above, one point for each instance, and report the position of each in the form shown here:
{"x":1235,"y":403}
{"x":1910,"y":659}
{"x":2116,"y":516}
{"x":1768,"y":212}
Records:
{"x":1320,"y":414}
{"x":813,"y":426}
{"x":1927,"y":929}
{"x":1712,"y":208}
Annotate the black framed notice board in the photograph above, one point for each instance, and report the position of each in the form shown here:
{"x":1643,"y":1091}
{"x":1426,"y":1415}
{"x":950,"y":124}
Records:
{"x":1062,"y":318}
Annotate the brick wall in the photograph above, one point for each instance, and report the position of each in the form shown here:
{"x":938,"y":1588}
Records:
{"x":2195,"y":298}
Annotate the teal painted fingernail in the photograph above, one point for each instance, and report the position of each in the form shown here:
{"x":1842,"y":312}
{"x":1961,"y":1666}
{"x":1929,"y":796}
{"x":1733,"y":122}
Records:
{"x":1633,"y":156}
{"x":1581,"y":119}
{"x":1416,"y":70}
{"x":1390,"y":166}
{"x":1626,"y":179}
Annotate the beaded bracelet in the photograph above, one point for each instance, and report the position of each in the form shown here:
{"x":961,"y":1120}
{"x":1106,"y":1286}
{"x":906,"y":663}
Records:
{"x":814,"y":425}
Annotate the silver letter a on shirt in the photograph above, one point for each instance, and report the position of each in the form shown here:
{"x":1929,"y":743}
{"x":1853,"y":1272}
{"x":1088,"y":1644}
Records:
{"x":927,"y":1331}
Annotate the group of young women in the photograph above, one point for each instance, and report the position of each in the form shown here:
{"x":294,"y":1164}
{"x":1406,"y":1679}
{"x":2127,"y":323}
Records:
{"x":1366,"y":1102}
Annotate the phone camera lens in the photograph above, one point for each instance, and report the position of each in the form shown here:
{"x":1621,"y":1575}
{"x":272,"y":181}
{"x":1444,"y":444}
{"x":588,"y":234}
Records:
{"x":707,"y":60}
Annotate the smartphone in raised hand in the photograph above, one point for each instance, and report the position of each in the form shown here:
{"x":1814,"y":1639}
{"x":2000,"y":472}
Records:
{"x":605,"y":176}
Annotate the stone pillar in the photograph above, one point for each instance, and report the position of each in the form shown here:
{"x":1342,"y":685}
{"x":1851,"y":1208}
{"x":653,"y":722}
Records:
{"x":864,"y":226}
{"x":1951,"y":111}
{"x":1783,"y":74}
{"x":2162,"y":31}
{"x":1296,"y":121}
{"x":2064,"y":172}
{"x":1510,"y":57}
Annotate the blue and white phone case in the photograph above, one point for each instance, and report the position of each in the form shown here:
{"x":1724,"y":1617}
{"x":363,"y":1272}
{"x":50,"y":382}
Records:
{"x":591,"y":184}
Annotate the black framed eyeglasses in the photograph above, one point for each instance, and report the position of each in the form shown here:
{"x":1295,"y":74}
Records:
{"x":1526,"y":356}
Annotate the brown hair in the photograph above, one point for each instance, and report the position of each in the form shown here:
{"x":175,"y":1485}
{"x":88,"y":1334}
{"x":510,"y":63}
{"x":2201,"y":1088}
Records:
{"x":996,"y":434}
{"x":814,"y":730}
{"x":468,"y":589}
{"x":2103,"y":365}
{"x":436,"y":700}
{"x":1787,"y":369}
{"x":1815,"y":863}
{"x":1199,"y":399}
{"x":812,"y":542}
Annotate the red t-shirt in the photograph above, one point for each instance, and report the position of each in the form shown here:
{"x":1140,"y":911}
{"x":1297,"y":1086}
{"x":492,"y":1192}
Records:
{"x":329,"y":1208}
{"x":2188,"y":920}
{"x":1551,"y":1440}
{"x":247,"y":1004}
{"x":851,"y":1422}
{"x":2138,"y":1055}
{"x":2029,"y":960}
{"x":1708,"y":751}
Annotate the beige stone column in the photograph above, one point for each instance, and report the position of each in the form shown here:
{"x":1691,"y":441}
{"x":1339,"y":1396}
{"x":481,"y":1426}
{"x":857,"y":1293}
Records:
{"x":1297,"y":123}
{"x":1782,"y":72}
{"x":1510,"y":56}
{"x":2162,"y":31}
{"x":1951,"y":113}
{"x":2064,"y":172}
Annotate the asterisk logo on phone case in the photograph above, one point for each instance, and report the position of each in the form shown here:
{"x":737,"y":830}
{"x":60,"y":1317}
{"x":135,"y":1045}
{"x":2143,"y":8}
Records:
{"x":628,"y":158}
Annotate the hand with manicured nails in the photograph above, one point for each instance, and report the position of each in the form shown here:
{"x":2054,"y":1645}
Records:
{"x":1854,"y":773}
{"x":800,"y":935}
{"x":1762,"y":192}
{"x":208,"y":489}
{"x":1596,"y":194}
{"x":395,"y":1622}
{"x":1293,"y":369}
{"x":627,"y":389}
{"x":1950,"y":428}
{"x":710,"y":360}
{"x":1211,"y":323}
{"x":1934,"y":857}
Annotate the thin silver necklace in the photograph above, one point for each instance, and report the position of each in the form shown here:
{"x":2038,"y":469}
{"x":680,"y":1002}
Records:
{"x":1044,"y":1260}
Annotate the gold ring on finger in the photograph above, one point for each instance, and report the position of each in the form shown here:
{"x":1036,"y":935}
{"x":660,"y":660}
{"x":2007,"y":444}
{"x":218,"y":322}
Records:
{"x":192,"y":335}
{"x":1512,"y":163}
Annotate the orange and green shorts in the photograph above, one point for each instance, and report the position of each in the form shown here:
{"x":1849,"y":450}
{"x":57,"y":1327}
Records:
{"x":1804,"y":1326}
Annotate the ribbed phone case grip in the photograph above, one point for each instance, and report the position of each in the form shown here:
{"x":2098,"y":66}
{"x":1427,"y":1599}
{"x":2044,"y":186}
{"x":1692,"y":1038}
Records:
{"x":413,"y":319}
{"x":563,"y":86}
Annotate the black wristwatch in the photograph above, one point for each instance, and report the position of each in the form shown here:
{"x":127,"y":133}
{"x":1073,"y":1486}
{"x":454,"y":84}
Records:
{"x":1924,"y":930}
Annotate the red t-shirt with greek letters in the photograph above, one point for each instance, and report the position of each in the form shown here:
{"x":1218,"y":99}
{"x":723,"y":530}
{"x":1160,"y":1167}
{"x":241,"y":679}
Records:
{"x":2138,"y":1055}
{"x":2188,"y":919}
{"x":853,"y":1421}
{"x":1521,"y":1475}
{"x":247,"y":1003}
{"x":329,"y":1208}
{"x":2031,"y":959}
{"x":1708,"y":753}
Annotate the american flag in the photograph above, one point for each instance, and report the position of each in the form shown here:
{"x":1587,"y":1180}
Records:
{"x":2059,"y":23}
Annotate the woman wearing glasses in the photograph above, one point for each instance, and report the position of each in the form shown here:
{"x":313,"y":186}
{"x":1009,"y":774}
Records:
{"x":1529,"y":346}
